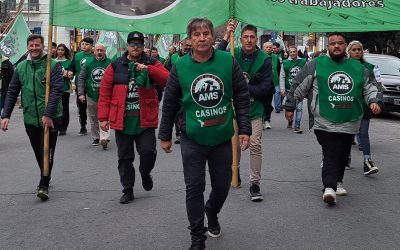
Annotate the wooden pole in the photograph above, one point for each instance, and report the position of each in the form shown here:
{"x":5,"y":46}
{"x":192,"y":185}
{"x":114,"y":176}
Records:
{"x":46,"y":155}
{"x":235,"y":138}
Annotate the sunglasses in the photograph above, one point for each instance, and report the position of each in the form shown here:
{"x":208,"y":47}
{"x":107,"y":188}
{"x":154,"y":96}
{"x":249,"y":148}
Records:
{"x":136,"y":44}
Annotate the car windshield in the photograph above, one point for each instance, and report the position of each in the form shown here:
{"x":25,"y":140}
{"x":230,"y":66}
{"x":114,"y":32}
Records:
{"x":388,"y":66}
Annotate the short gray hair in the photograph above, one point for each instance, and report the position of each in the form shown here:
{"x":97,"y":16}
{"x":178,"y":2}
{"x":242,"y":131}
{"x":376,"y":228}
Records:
{"x":196,"y":23}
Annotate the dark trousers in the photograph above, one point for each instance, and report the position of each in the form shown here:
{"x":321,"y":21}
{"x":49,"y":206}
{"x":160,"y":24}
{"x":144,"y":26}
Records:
{"x":336,"y":149}
{"x":35,"y":135}
{"x":146,"y":148}
{"x":194,"y":159}
{"x":65,"y":105}
{"x":160,"y":92}
{"x":268,"y":107}
{"x":82,"y":106}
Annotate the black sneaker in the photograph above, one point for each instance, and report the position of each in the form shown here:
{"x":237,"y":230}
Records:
{"x":61,"y":133}
{"x":126,"y":198}
{"x":83,"y":130}
{"x":198,"y":245}
{"x":213,"y":229}
{"x":290,"y":124}
{"x":370,"y":167}
{"x":255,"y":194}
{"x":43,"y":193}
{"x":147,"y":182}
{"x":96,"y":142}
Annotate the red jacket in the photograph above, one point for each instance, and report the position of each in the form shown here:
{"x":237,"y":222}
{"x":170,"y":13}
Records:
{"x":114,"y":87}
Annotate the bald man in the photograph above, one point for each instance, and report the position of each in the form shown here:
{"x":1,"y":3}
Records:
{"x":89,"y":82}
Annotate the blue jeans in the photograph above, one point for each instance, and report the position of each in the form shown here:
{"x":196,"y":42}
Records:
{"x":363,"y":137}
{"x":277,"y":98}
{"x":299,"y":113}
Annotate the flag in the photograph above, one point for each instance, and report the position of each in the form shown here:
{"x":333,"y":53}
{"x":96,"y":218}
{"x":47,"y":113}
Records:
{"x":171,"y":16}
{"x":13,"y":44}
{"x":163,"y":43}
{"x":110,"y":40}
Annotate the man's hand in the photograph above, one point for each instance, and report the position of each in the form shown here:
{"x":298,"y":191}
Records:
{"x":70,"y":74}
{"x":104,"y":125}
{"x":376,"y":109}
{"x":230,"y":28}
{"x":4,"y":124}
{"x":283,"y":93}
{"x":244,"y":142}
{"x":47,"y":123}
{"x":166,"y":146}
{"x":289,"y":116}
{"x":82,"y":98}
{"x":140,"y":66}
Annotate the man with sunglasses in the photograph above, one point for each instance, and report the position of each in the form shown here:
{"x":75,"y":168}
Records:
{"x":128,"y":103}
{"x":335,"y":87}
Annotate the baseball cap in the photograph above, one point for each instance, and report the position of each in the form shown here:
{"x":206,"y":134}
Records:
{"x":135,"y":35}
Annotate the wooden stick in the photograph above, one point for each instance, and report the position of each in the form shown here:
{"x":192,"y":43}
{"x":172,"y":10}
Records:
{"x":235,"y":138}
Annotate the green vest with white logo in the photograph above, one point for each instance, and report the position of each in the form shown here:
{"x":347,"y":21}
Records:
{"x":207,"y":98}
{"x":291,"y":69}
{"x":95,"y":71}
{"x":65,"y":64}
{"x":249,"y":70}
{"x":340,"y":88}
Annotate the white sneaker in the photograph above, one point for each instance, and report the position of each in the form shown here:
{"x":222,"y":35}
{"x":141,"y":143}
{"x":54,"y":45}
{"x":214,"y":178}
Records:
{"x":267,"y":125}
{"x":340,"y":190}
{"x":329,"y":196}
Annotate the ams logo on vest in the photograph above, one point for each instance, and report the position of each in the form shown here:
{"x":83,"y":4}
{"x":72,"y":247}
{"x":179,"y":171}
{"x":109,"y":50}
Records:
{"x":97,"y":74}
{"x":207,"y":90}
{"x":340,"y":83}
{"x":293,"y":71}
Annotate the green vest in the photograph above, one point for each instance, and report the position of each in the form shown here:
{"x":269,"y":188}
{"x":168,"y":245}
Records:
{"x":32,"y":76}
{"x":81,"y":59}
{"x":174,"y":58}
{"x":161,"y":60}
{"x":275,"y":73}
{"x":249,"y":70}
{"x":291,"y":69}
{"x":207,"y":98}
{"x":95,"y":70}
{"x":340,"y":87}
{"x":65,"y":64}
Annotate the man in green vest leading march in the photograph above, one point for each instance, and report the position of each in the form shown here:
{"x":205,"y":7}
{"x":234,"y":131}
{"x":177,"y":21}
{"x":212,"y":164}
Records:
{"x":335,"y":87}
{"x":289,"y":70}
{"x":257,"y":69}
{"x":207,"y":81}
{"x":89,"y":83}
{"x":30,"y":78}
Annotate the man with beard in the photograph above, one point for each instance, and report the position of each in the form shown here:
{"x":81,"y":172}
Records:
{"x":167,"y":63}
{"x":335,"y":87}
{"x":128,"y":104}
{"x":89,"y":83}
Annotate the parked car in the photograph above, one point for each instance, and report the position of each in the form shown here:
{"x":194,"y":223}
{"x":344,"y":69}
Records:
{"x":390,"y":78}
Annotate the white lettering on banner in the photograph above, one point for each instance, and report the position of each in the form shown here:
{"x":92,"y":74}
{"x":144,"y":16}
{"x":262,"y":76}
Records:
{"x":210,"y":112}
{"x":340,"y":98}
{"x":5,"y":49}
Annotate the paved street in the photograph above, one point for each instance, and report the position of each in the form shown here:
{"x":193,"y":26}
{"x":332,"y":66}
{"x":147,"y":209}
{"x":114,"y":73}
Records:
{"x":83,"y":210}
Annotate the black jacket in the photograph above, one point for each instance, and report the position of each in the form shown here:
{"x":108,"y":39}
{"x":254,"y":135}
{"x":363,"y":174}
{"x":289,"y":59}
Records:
{"x":7,"y":71}
{"x":173,"y":95}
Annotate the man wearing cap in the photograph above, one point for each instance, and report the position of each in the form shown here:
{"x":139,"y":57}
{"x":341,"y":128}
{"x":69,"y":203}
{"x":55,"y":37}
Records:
{"x":128,"y":104}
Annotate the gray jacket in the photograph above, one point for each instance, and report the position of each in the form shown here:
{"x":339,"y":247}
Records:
{"x":305,"y":85}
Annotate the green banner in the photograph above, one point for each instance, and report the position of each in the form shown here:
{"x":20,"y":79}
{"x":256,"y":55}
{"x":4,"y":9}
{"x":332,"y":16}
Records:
{"x":171,"y":16}
{"x":150,"y":17}
{"x":111,"y":39}
{"x":13,"y":44}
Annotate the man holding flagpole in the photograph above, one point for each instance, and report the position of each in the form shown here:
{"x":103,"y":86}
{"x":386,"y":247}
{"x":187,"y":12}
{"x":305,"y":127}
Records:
{"x":29,"y":78}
